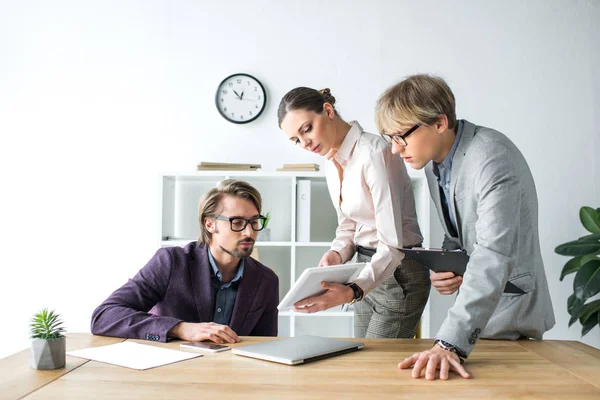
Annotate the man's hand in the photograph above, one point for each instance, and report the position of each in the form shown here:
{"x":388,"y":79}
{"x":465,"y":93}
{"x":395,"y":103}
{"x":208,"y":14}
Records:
{"x":445,"y":282}
{"x":335,"y":295}
{"x":332,"y":257}
{"x":431,"y":361}
{"x":197,"y":332}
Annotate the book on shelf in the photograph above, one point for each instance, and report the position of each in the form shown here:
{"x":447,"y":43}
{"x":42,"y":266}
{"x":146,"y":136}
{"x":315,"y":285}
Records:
{"x":215,"y":166}
{"x":299,"y":167}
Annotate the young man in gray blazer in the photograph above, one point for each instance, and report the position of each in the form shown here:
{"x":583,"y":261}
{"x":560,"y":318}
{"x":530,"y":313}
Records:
{"x":486,"y":200}
{"x":208,"y":290}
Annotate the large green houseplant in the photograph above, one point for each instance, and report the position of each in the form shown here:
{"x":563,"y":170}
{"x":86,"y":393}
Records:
{"x":48,"y":345}
{"x":586,"y":266}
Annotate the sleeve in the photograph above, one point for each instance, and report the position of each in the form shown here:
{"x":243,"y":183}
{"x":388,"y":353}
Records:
{"x":267,"y":323}
{"x":384,"y":176}
{"x":497,"y":187}
{"x":125,"y":312}
{"x":344,"y":238}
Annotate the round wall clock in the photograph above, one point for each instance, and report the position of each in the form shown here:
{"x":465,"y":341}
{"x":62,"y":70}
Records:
{"x":240,"y":98}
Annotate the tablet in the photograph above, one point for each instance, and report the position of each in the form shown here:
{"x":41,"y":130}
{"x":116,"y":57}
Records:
{"x":439,"y":260}
{"x":309,"y":283}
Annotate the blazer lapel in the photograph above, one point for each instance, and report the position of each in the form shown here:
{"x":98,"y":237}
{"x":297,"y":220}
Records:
{"x":434,"y":190}
{"x":200,"y":277}
{"x":465,"y":140}
{"x":245,"y":296}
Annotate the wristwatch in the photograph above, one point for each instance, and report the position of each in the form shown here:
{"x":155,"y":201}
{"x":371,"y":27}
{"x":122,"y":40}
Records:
{"x":358,"y":292}
{"x":451,"y":348}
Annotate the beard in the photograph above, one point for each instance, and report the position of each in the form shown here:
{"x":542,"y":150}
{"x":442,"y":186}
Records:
{"x":238,"y":251}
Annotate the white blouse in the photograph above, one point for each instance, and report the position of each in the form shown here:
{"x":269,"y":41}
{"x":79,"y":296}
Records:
{"x":378,"y":207}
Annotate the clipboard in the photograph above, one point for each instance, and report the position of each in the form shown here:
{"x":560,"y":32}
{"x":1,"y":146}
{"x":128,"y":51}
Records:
{"x":439,"y":260}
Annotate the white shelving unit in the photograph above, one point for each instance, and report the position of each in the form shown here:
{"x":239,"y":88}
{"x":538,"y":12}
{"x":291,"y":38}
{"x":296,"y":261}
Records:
{"x":286,"y":256}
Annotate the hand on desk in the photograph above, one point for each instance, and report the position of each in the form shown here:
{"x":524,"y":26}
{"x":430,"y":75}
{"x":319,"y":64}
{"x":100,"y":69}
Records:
{"x":445,"y":282}
{"x":332,"y":257}
{"x":431,"y":361}
{"x":197,"y":332}
{"x":335,"y":295}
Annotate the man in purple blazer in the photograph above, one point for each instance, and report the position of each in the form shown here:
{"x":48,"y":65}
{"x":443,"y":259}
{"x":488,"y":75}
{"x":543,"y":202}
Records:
{"x":209,"y":290}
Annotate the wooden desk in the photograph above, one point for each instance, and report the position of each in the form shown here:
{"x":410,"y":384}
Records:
{"x":501,"y":369}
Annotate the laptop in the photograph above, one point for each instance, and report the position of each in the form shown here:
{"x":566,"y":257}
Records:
{"x":298,"y":350}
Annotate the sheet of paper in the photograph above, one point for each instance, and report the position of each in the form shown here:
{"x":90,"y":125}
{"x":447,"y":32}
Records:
{"x":133,"y":355}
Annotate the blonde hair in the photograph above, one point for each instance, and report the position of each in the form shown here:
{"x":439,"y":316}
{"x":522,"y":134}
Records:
{"x":417,"y":99}
{"x":209,"y":205}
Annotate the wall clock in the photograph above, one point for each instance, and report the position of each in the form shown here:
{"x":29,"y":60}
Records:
{"x":240,"y":98}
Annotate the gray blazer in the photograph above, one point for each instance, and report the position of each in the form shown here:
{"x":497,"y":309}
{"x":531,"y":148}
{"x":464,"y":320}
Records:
{"x":496,"y":209}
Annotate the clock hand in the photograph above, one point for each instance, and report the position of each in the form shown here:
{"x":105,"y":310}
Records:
{"x":241,"y":97}
{"x":236,"y":93}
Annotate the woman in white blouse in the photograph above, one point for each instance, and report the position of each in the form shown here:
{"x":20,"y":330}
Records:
{"x":373,"y":197}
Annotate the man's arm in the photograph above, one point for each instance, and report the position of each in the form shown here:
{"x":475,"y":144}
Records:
{"x":125,"y":312}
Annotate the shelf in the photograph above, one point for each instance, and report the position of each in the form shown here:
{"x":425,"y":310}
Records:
{"x":260,"y":174}
{"x":317,"y":314}
{"x":313,"y":244}
{"x":183,"y":242}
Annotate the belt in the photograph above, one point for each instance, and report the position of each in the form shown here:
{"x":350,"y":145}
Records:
{"x":370,"y":252}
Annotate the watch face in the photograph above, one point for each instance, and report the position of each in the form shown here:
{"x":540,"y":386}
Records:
{"x":240,"y":98}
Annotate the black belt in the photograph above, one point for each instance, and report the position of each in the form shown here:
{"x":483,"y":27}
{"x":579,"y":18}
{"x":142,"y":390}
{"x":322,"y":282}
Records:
{"x":370,"y":252}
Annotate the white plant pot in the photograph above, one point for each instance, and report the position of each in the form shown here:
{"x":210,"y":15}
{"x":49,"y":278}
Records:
{"x":264,"y":235}
{"x":48,"y":353}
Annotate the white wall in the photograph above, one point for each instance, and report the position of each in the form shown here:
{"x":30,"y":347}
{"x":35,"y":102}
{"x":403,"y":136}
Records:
{"x":98,"y":97}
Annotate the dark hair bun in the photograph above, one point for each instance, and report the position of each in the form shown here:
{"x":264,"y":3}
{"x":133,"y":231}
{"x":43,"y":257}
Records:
{"x":327,"y":95}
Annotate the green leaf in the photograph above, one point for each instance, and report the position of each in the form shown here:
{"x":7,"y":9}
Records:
{"x":587,"y":280}
{"x":589,"y":310}
{"x":571,"y":266}
{"x":590,"y":219}
{"x":46,"y":325}
{"x":590,"y":238}
{"x":578,"y":248}
{"x":590,"y":324}
{"x":574,"y":306}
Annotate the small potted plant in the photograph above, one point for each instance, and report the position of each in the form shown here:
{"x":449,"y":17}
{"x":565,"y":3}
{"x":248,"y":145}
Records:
{"x":264,"y":235}
{"x":48,"y":343}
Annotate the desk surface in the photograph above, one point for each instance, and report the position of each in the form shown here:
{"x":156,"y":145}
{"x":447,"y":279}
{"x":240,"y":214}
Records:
{"x":501,"y":369}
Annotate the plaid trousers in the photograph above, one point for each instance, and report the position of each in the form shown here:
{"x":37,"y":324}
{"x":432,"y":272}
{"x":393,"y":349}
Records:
{"x":393,"y":309}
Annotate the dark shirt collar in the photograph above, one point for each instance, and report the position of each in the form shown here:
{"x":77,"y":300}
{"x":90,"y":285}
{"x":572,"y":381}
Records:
{"x":217,"y":273}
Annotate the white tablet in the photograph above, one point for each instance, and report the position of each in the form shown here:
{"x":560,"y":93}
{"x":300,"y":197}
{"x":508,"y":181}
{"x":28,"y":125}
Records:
{"x":309,"y":283}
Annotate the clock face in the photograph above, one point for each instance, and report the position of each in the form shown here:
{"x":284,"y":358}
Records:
{"x":240,"y":98}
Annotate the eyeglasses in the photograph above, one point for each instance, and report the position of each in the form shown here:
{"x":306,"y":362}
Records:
{"x":238,"y":224}
{"x":400,"y":139}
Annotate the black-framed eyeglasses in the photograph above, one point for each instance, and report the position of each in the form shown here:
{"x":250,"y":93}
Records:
{"x":238,"y":224}
{"x":400,"y":139}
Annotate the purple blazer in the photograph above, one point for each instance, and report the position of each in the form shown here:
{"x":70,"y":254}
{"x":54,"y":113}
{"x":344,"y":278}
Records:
{"x":175,"y":286}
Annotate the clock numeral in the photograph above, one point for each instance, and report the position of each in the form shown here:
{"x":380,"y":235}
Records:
{"x":259,"y":96}
{"x":256,"y":88}
{"x":248,"y":83}
{"x":222,"y":100}
{"x":250,"y":112}
{"x":256,"y":106}
{"x":231,"y":115}
{"x":224,"y":91}
{"x":225,"y":109}
{"x":242,"y":116}
{"x":239,"y":81}
{"x":230,"y":84}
